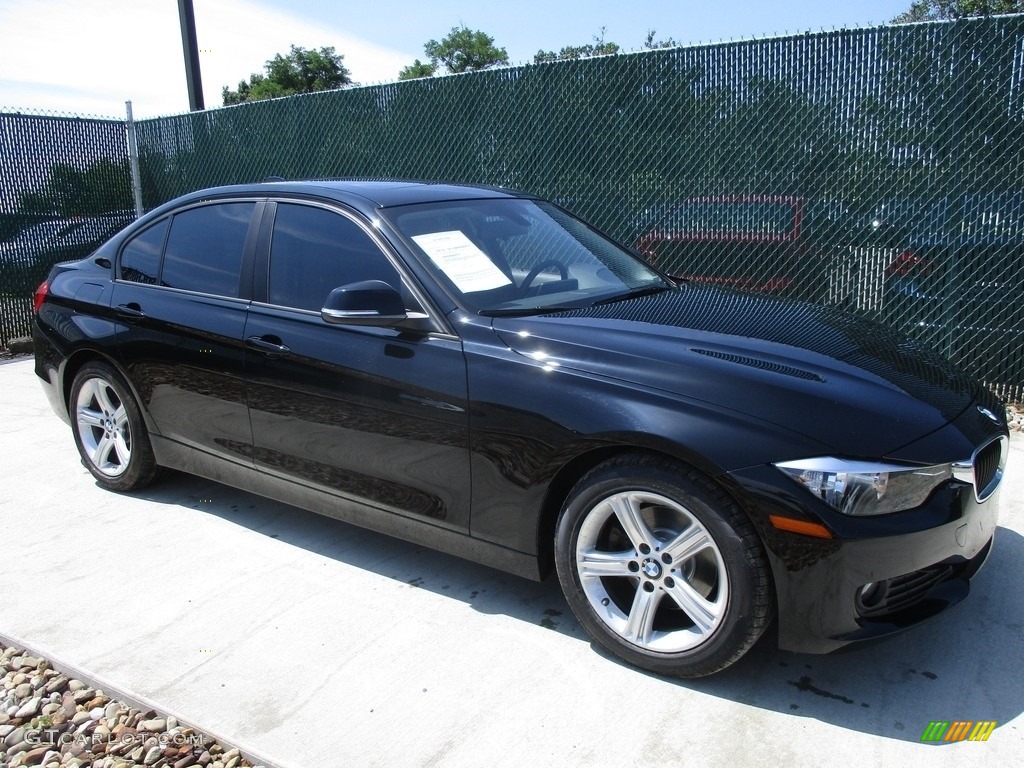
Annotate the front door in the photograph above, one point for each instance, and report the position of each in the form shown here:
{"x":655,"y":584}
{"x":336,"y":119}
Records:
{"x":376,"y":415}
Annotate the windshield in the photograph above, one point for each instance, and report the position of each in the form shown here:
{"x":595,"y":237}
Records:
{"x":512,"y":256}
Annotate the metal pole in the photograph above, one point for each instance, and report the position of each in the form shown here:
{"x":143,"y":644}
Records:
{"x":133,"y":157}
{"x":187,"y":17}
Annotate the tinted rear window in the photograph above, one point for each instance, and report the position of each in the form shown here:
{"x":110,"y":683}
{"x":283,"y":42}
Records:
{"x":140,"y":259}
{"x":204,"y":249}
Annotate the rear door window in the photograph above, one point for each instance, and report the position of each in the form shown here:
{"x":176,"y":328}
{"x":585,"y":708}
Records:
{"x":205,"y":247}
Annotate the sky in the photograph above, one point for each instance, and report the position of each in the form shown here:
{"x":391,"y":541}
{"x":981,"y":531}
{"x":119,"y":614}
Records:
{"x":88,"y":57}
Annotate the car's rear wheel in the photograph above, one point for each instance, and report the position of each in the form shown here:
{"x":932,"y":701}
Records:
{"x":109,"y":430}
{"x":662,"y":567}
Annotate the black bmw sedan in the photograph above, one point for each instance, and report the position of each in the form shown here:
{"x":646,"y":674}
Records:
{"x":478,"y":371}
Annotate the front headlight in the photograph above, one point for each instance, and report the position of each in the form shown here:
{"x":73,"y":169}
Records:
{"x":866,"y":488}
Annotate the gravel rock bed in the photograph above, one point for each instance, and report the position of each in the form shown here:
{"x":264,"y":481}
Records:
{"x":50,"y":720}
{"x":1015,"y":417}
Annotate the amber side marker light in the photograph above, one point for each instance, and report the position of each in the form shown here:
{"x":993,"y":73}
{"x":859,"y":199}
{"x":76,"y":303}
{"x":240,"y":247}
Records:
{"x":39,"y":296}
{"x":817,"y":530}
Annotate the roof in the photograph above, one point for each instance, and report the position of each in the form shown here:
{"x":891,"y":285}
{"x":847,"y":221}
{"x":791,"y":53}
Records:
{"x":360,"y":193}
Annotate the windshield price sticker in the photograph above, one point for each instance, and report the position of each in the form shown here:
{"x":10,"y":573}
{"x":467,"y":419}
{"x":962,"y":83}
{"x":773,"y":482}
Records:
{"x":464,"y":264}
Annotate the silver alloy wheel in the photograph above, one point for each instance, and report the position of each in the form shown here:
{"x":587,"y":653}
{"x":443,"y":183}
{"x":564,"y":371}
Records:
{"x":103,"y":427}
{"x":651,"y":571}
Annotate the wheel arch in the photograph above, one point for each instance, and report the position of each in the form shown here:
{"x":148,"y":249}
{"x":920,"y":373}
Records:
{"x":82,"y":357}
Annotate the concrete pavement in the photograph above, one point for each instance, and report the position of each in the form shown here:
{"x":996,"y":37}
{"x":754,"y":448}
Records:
{"x":319,"y":644}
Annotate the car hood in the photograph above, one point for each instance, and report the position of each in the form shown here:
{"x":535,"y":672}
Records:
{"x":830,"y":375}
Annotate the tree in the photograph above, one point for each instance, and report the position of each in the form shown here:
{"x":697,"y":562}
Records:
{"x":417,"y":70}
{"x":462,"y":50}
{"x":600,"y":47}
{"x":301,"y":71}
{"x":932,"y":10}
{"x":103,"y":186}
{"x":573,"y":52}
{"x":652,"y":45}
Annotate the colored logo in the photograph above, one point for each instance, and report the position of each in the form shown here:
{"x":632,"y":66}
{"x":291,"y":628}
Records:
{"x":958,"y":730}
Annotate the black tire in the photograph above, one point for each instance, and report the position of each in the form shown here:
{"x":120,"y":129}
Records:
{"x":686,"y":591}
{"x":109,"y":431}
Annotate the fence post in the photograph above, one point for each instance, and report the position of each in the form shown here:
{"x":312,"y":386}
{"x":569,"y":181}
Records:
{"x":133,"y":158}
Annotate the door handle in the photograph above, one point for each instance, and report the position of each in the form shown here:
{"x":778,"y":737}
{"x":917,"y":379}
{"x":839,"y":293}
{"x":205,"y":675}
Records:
{"x":133,"y":311}
{"x":271,"y":347}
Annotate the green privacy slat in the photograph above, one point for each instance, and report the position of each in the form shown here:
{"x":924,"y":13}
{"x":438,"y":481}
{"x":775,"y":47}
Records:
{"x":880,"y":168}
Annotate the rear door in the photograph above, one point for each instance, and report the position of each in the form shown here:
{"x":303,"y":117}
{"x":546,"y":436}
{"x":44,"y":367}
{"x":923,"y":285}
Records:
{"x":181,"y":297}
{"x":375,"y":415}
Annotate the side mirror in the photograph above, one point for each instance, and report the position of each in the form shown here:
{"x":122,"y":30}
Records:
{"x":370,"y":302}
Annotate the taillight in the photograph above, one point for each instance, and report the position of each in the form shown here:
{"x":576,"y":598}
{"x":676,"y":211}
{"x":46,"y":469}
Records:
{"x":40,"y":296}
{"x":908,"y":263}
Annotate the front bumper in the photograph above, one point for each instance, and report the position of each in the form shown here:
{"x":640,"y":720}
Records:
{"x":921,"y":560}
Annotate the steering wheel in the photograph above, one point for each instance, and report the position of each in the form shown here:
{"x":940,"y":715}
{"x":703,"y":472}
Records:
{"x":563,"y":272}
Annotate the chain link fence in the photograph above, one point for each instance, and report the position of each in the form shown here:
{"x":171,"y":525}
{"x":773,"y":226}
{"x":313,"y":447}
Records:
{"x":64,"y":189}
{"x":879,"y":169}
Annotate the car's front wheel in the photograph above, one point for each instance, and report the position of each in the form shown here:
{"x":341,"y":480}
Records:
{"x":109,"y":431}
{"x":661,"y":567}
